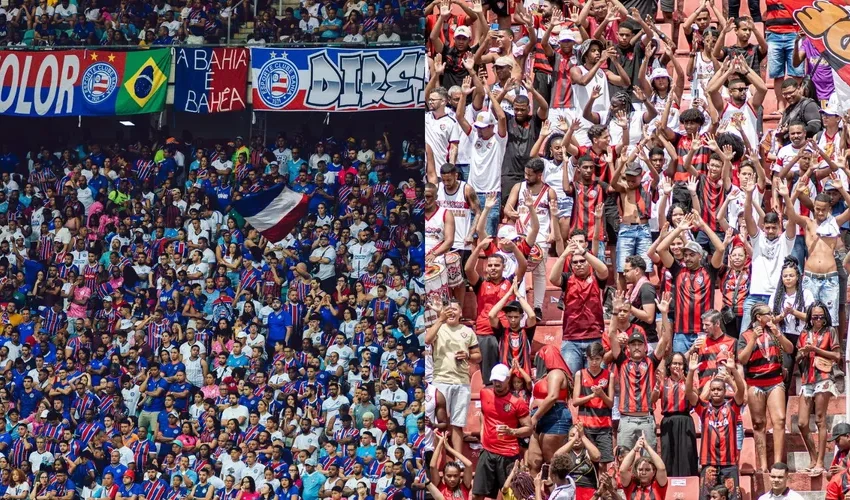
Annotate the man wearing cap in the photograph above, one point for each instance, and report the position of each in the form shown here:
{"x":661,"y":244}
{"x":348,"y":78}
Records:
{"x":505,"y":418}
{"x":514,"y":339}
{"x":841,"y":438}
{"x":561,"y":60}
{"x":489,"y":137}
{"x":693,"y":280}
{"x":129,"y":490}
{"x":453,"y":346}
{"x":312,"y":480}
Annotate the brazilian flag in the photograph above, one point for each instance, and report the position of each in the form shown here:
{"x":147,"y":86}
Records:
{"x":125,"y":83}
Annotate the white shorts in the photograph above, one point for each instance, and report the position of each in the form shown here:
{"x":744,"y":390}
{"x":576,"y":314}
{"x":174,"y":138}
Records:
{"x":809,"y":390}
{"x":457,"y":402}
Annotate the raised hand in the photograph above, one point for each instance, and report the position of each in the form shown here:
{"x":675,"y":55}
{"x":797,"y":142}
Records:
{"x":445,"y":9}
{"x":545,"y":129}
{"x":469,"y":63}
{"x":727,"y":238}
{"x":693,"y":362}
{"x":476,"y":6}
{"x":693,"y":184}
{"x":596,"y":93}
{"x":622,"y":119}
{"x":439,"y":65}
{"x":467,"y":87}
{"x":663,"y":305}
{"x":666,"y":186}
{"x":490,"y":200}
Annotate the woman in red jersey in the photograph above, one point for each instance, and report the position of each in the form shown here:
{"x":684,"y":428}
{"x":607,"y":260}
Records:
{"x":678,"y":436}
{"x":643,"y":477}
{"x":817,"y":351}
{"x":760,"y":351}
{"x":456,"y":481}
{"x":550,"y":417}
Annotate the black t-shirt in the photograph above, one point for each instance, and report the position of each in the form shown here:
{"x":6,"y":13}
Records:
{"x":455,"y":72}
{"x":521,"y":138}
{"x":750,"y":53}
{"x":630,"y":59}
{"x":646,"y":295}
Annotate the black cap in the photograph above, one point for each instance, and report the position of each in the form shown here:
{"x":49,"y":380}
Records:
{"x":636,"y":337}
{"x":512,"y":306}
{"x":839,"y":430}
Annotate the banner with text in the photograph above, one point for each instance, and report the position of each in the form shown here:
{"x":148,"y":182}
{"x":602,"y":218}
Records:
{"x":210,"y":80}
{"x":83,"y":82}
{"x":337,"y":79}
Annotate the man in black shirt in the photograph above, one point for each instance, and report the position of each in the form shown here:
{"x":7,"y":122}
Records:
{"x":453,"y":54}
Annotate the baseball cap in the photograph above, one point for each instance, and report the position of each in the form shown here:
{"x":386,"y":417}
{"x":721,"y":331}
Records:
{"x":839,"y":430}
{"x":173,"y":414}
{"x":830,"y":186}
{"x":659,"y":73}
{"x":500,"y":373}
{"x":131,"y":475}
{"x":507,"y":233}
{"x":636,"y":337}
{"x":512,"y":306}
{"x":694,"y":247}
{"x":44,"y":414}
{"x":463,"y":31}
{"x":504,"y":61}
{"x":311,"y":462}
{"x":634,"y":169}
{"x":567,"y":36}
{"x":484,"y":120}
{"x":830,"y":109}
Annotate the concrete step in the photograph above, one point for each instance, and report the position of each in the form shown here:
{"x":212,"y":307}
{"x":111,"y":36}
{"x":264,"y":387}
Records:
{"x":799,"y":460}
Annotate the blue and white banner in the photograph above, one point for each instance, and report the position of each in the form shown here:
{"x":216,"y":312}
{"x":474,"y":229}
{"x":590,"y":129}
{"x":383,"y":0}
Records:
{"x":331,"y":79}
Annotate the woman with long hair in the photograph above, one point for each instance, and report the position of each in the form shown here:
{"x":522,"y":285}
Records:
{"x":789,"y":304}
{"x":678,"y":435}
{"x":550,"y":417}
{"x":760,"y":351}
{"x":39,"y":487}
{"x":818,"y":349}
{"x":247,"y":489}
{"x":593,"y":395}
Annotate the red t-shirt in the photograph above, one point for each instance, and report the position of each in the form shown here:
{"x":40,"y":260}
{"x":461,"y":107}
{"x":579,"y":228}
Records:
{"x":634,"y":491}
{"x":501,"y":410}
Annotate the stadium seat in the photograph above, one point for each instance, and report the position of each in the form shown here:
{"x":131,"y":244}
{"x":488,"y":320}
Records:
{"x":29,"y":35}
{"x":747,"y":460}
{"x":476,"y":384}
{"x":682,"y":488}
{"x":473,"y":418}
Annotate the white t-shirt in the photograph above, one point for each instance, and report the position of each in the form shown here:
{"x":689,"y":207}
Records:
{"x":792,"y":325}
{"x":332,"y":406}
{"x":485,"y":161}
{"x":439,"y":134}
{"x":305,"y":441}
{"x":325,"y":270}
{"x":768,"y":257}
{"x":394,"y":397}
{"x":346,"y":354}
{"x":789,"y":494}
{"x":235,"y":412}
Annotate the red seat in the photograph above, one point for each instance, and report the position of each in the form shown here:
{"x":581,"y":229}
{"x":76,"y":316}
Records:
{"x":747,"y":460}
{"x":682,"y":488}
{"x":473,"y":418}
{"x":476,"y":384}
{"x":745,"y":484}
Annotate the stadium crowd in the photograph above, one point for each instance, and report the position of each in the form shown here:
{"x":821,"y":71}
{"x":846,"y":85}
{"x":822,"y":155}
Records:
{"x":180,"y":22}
{"x":698,"y":244}
{"x":155,"y":346}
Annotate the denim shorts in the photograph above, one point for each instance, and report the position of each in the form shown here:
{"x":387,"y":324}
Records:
{"x":767,"y":390}
{"x":633,"y":239}
{"x":780,"y":55}
{"x":557,"y":420}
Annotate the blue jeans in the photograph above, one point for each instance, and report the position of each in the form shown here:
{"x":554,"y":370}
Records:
{"x":492,"y":226}
{"x":464,"y":171}
{"x":799,"y":251}
{"x":825,"y":290}
{"x":633,"y":240}
{"x":683,"y":341}
{"x":749,"y":302}
{"x":780,"y":55}
{"x":575,"y":353}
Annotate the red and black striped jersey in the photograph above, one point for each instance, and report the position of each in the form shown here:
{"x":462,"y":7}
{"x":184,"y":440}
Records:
{"x":673,"y":398}
{"x":652,"y":491}
{"x":699,"y":161}
{"x":604,"y":161}
{"x":764,"y":368}
{"x":712,"y":195}
{"x":734,"y":287}
{"x":719,"y":445}
{"x":587,"y":198}
{"x":708,"y":356}
{"x":594,"y":414}
{"x":693,"y":294}
{"x":636,"y":380}
{"x":826,"y":340}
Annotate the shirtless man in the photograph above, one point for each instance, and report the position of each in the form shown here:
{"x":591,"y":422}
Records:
{"x":636,"y":199}
{"x":820,"y":275}
{"x":545,"y":205}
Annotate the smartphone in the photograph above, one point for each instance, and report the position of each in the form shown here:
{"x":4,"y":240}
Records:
{"x":494,"y":27}
{"x":544,"y":472}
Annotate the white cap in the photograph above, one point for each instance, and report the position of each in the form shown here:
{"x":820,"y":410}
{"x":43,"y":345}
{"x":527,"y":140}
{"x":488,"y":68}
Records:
{"x":44,"y":414}
{"x":500,"y":373}
{"x":507,"y":232}
{"x":829,"y":109}
{"x":659,"y":73}
{"x":567,"y":36}
{"x":463,"y":31}
{"x":504,"y":61}
{"x":484,"y":120}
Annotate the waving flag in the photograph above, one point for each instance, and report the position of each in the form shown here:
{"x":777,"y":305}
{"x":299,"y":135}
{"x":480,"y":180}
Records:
{"x":273,"y":212}
{"x":828,"y":24}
